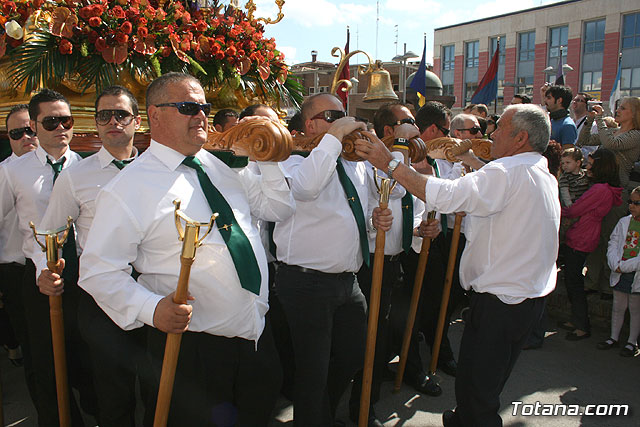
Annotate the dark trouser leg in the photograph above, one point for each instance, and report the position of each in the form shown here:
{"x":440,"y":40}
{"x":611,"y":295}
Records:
{"x":115,"y":356}
{"x":326,"y":316}
{"x":574,"y":281}
{"x":493,"y":337}
{"x":39,"y":332}
{"x":536,"y":338}
{"x":220,"y":381}
{"x":392,"y":276}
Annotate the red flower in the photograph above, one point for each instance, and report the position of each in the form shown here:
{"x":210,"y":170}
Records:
{"x":241,"y":52}
{"x":85,"y":12}
{"x":142,"y":32}
{"x":65,"y":47}
{"x":93,"y":36}
{"x":122,"y":38}
{"x":118,"y":12}
{"x":101,"y":44}
{"x":37,"y":3}
{"x":201,"y":25}
{"x":220,"y":55}
{"x":166,"y":51}
{"x":126,"y":27}
{"x":132,"y":12}
{"x":94,"y":21}
{"x":142,"y":21}
{"x":231,"y":51}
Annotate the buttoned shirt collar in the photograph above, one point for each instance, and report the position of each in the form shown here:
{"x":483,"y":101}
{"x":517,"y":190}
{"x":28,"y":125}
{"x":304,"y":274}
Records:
{"x":168,"y":156}
{"x":42,"y":155}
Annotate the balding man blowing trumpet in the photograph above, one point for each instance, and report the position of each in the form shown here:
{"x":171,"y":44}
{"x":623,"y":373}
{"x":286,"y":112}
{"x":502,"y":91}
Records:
{"x":506,"y":272}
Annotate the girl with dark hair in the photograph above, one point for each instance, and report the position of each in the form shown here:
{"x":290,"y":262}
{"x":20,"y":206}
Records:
{"x":583,"y":236}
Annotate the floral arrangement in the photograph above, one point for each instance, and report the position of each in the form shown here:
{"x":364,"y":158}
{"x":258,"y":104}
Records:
{"x":94,"y":40}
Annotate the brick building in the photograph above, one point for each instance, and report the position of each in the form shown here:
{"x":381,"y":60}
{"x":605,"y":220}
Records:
{"x":588,"y":33}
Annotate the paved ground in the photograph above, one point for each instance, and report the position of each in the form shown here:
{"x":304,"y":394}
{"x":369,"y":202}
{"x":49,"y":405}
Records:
{"x":572,"y":373}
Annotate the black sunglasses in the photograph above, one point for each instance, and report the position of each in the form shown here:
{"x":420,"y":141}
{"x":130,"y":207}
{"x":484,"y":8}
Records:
{"x":188,"y":108}
{"x":18,"y":133}
{"x":330,"y":116}
{"x":123,"y":117}
{"x":444,"y":131}
{"x":474,"y":129}
{"x":634,"y":202}
{"x":52,"y":122}
{"x":407,"y":120}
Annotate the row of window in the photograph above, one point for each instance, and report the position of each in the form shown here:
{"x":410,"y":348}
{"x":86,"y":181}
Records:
{"x":592,"y":54}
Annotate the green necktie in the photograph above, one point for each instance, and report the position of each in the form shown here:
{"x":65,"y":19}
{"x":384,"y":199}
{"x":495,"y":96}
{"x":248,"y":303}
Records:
{"x":120,"y":164}
{"x":237,"y":242}
{"x":443,"y":217}
{"x":356,"y":208}
{"x":407,"y":221}
{"x":69,"y":252}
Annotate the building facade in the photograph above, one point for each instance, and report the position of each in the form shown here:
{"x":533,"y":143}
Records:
{"x":589,"y":34}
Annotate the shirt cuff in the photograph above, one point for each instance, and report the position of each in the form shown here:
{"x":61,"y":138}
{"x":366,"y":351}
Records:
{"x":148,"y":309}
{"x":330,"y":145}
{"x":271,"y":171}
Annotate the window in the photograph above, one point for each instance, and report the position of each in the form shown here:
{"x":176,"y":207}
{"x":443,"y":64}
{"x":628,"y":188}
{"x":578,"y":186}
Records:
{"x":448,"y":57}
{"x":312,"y":90}
{"x":591,"y":81}
{"x":630,"y":82}
{"x":527,"y":46}
{"x":447,"y":90}
{"x":472,"y":54}
{"x":594,"y":36}
{"x":631,"y":31}
{"x":493,"y":43}
{"x":559,"y":37}
{"x":469,"y":88}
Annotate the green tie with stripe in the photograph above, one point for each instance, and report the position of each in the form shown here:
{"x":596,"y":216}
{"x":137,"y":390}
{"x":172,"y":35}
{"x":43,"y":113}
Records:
{"x":120,"y":164}
{"x":356,"y":208}
{"x":237,"y":242}
{"x":407,"y":221}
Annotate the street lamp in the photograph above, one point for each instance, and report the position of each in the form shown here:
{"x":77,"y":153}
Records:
{"x":403,"y":71}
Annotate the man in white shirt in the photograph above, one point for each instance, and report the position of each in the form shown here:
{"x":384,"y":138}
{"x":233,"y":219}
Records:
{"x":227,"y":371}
{"x":320,"y":248}
{"x":27,"y":184}
{"x":513,"y":214}
{"x":22,"y":140}
{"x":116,"y":355}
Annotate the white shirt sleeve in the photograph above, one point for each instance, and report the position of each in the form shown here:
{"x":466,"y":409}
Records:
{"x":269,"y":195}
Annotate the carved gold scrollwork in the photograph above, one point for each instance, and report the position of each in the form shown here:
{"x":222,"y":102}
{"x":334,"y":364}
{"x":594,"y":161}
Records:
{"x":450,"y":148}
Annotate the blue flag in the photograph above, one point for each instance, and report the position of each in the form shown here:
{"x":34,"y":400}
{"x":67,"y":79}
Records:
{"x":487,"y":90}
{"x":615,"y":92}
{"x":419,"y":82}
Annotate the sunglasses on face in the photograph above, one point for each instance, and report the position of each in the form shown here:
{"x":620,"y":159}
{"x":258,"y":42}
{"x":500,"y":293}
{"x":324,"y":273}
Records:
{"x":52,"y":122}
{"x":330,"y":116}
{"x":18,"y":133}
{"x":472,"y":130}
{"x":444,"y":131}
{"x":188,"y":108}
{"x":634,"y":202}
{"x":407,"y":120}
{"x":103,"y":117}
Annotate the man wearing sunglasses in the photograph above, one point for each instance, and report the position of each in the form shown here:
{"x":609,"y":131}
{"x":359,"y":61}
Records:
{"x":320,"y":248}
{"x":114,"y":352}
{"x":28,"y":182}
{"x":228,"y":371}
{"x":22,"y":140}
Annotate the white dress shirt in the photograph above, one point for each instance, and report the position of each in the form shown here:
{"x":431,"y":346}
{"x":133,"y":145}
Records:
{"x":10,"y":236}
{"x":513,"y":214}
{"x":74,"y":195}
{"x":451,"y":170}
{"x":26,"y":184}
{"x":134,"y":224}
{"x":323,"y":233}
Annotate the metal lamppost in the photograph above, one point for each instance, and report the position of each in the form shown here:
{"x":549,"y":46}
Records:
{"x":403,"y":71}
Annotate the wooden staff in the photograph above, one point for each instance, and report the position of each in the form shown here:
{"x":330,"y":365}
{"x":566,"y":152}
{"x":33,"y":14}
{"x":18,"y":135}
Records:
{"x":374,"y":308}
{"x":189,"y":237}
{"x":51,"y":246}
{"x":453,"y":252}
{"x":413,"y":307}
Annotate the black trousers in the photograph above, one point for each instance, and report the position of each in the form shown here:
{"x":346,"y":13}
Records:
{"x":220,"y":381}
{"x":118,"y":357}
{"x":574,"y":281}
{"x":493,"y":337}
{"x":78,"y":361}
{"x":391,"y":279}
{"x":11,"y":287}
{"x":327,"y":318}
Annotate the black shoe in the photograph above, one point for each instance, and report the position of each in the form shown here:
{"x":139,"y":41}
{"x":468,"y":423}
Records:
{"x":354,"y":415}
{"x":426,"y":385}
{"x":572,"y":336}
{"x":629,"y":350}
{"x":567,"y":326}
{"x":450,"y":419}
{"x":607,"y":344}
{"x":450,"y":367}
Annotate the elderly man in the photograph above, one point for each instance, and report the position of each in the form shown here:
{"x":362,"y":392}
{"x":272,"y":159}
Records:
{"x":320,"y":249}
{"x":227,"y":372}
{"x":508,"y":264}
{"x":116,"y":355}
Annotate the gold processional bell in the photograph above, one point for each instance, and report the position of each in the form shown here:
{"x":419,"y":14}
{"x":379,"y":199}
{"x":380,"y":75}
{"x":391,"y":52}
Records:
{"x":379,"y":89}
